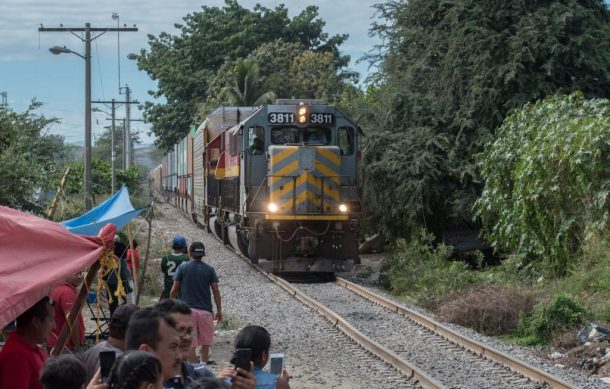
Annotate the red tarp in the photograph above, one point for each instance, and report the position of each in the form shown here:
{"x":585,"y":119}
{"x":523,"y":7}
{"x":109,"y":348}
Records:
{"x":37,"y":254}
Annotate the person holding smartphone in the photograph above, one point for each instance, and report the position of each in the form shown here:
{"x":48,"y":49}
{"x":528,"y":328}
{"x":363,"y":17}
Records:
{"x":255,"y":341}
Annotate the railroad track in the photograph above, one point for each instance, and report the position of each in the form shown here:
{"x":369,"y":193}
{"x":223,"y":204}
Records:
{"x":484,"y":366}
{"x":454,"y":352}
{"x":474,"y":346}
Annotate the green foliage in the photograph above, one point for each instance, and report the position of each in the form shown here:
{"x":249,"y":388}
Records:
{"x":548,"y":319}
{"x":185,"y":65}
{"x":102,"y":177}
{"x":365,"y":272}
{"x":449,"y":73}
{"x":27,"y":158}
{"x":424,"y":272}
{"x":547,"y":180}
{"x":102,"y":149}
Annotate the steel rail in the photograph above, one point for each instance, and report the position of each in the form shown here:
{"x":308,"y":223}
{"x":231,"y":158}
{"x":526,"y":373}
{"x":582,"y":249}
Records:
{"x":408,"y":369}
{"x":470,"y":344}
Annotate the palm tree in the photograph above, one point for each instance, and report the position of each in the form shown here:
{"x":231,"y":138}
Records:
{"x":247,"y":88}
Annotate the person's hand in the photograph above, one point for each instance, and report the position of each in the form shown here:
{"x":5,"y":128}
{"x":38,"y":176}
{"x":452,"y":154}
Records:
{"x":96,"y":381}
{"x":219,"y":316}
{"x":244,"y":379}
{"x":229,"y":372}
{"x":284,"y":374}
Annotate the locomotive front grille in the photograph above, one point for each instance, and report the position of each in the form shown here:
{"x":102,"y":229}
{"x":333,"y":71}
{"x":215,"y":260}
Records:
{"x":304,"y":179}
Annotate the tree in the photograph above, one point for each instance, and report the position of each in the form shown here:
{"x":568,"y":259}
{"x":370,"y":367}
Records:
{"x":453,"y":71}
{"x":102,"y":149}
{"x":185,"y":65}
{"x":247,"y":89}
{"x":27,"y":158}
{"x":288,"y":70}
{"x":546,"y":179}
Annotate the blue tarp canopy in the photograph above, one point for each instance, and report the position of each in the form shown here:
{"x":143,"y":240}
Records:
{"x":116,"y":210}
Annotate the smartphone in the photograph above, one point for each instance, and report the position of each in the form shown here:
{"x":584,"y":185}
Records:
{"x":107,"y":359}
{"x":276,"y":363}
{"x":241,"y":358}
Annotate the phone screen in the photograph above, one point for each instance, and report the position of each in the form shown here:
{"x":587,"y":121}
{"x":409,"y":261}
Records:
{"x":276,"y":363}
{"x":106,"y":361}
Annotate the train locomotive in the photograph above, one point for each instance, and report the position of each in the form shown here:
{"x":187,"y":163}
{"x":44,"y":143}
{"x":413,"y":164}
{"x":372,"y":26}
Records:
{"x":279,"y":183}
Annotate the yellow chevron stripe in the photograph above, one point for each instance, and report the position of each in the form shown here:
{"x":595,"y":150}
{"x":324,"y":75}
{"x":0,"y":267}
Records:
{"x":278,"y":193}
{"x":326,"y":171}
{"x":330,"y":194}
{"x":288,"y":170}
{"x":280,"y":156}
{"x":306,"y":217}
{"x":331,"y":155}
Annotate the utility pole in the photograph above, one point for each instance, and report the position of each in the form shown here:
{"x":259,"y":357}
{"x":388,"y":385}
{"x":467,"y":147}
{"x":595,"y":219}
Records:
{"x":87,"y":57}
{"x":127,"y":134}
{"x":113,"y":104}
{"x":4,"y":99}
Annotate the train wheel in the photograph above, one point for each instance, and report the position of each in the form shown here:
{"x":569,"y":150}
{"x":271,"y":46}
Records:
{"x":242,"y":243}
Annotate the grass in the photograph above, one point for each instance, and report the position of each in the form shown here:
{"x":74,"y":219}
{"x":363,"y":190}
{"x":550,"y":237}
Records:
{"x":424,"y":274}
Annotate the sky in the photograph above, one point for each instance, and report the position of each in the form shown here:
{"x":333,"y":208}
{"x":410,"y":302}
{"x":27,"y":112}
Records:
{"x":29,"y":71}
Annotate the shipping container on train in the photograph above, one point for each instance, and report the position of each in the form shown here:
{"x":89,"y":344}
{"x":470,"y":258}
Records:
{"x":278,"y":183}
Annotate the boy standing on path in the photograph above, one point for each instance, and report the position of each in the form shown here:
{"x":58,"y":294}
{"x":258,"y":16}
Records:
{"x":193,"y":280}
{"x":170,"y":262}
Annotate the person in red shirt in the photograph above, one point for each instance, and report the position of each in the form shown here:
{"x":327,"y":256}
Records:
{"x":136,"y":258}
{"x":64,"y":298}
{"x":22,"y":358}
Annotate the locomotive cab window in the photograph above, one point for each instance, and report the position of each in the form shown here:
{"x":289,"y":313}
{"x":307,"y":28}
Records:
{"x":345,"y":140}
{"x":316,"y":136}
{"x":284,"y":135}
{"x":256,"y":140}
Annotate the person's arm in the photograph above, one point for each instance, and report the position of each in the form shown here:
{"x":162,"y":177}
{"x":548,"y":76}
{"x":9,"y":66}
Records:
{"x":282,"y":380}
{"x":175,"y":289}
{"x":66,"y":302}
{"x":216,"y":293}
{"x":96,"y":381}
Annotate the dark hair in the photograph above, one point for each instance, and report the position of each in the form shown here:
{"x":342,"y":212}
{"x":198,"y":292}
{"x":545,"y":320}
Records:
{"x":63,"y":372}
{"x":133,"y":369}
{"x":134,"y":243}
{"x":120,"y":320}
{"x":208,"y":383}
{"x":143,"y":328}
{"x":255,"y":338}
{"x":173,"y":306}
{"x":39,"y":310}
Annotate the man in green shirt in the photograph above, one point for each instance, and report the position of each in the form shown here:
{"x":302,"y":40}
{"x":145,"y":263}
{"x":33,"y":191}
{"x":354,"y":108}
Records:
{"x":170,"y":262}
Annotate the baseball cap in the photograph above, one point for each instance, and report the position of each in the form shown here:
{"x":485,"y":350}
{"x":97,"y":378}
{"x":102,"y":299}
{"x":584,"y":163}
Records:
{"x":179,"y":242}
{"x":197,"y":249}
{"x":120,"y":316}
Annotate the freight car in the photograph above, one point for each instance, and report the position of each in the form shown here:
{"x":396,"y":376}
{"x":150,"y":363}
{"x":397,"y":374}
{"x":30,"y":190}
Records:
{"x":278,"y":183}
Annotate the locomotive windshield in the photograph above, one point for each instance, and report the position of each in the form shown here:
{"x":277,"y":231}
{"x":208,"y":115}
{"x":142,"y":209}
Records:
{"x":292,"y":135}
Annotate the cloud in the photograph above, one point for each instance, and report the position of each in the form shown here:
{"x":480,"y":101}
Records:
{"x":21,"y":19}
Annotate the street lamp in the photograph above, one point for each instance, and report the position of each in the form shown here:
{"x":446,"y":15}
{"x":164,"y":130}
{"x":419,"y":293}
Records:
{"x":87,"y":57}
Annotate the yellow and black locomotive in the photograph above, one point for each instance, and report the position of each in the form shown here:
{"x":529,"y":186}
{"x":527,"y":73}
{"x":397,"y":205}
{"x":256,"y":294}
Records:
{"x":279,"y":182}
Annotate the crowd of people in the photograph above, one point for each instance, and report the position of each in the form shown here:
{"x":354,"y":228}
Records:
{"x":146,"y":348}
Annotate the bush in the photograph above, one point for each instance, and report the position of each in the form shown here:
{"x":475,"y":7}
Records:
{"x":562,"y":313}
{"x":491,"y":309}
{"x":546,"y":180}
{"x":425,"y":272}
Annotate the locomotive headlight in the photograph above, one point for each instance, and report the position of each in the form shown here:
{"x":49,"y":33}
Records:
{"x":342,"y":208}
{"x":272,"y":207}
{"x":302,"y":114}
